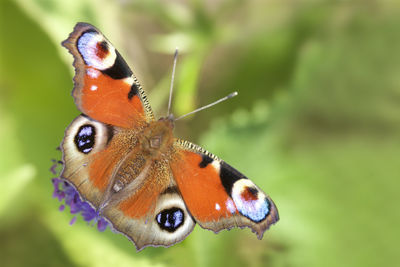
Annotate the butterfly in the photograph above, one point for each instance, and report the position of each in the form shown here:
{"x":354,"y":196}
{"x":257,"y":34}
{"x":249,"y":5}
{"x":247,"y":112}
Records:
{"x":149,"y":185}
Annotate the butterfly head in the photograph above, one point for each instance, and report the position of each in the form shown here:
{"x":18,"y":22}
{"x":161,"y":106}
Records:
{"x":168,"y":121}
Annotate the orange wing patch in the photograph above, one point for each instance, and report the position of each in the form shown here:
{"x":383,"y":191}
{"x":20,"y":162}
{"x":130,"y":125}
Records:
{"x":101,"y":168}
{"x":111,"y":101}
{"x":144,"y":190}
{"x":140,"y":203}
{"x":201,"y":188}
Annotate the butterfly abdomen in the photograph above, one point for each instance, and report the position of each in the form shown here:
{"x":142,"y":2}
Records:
{"x":132,"y":166}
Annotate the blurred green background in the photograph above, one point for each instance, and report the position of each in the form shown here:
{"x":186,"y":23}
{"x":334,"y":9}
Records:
{"x":316,"y":124}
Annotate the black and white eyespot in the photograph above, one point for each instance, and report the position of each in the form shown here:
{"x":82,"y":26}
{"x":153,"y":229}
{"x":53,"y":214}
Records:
{"x":170,"y":219}
{"x":96,"y":51}
{"x":171,"y":216}
{"x":85,"y":136}
{"x":250,"y":201}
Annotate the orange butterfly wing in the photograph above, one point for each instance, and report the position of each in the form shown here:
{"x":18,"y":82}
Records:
{"x":218,"y":196}
{"x":105,"y":87}
{"x":92,"y":153}
{"x":150,"y":210}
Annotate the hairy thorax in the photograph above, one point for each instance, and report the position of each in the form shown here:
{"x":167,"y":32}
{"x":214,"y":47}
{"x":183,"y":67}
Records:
{"x":157,"y":138}
{"x":153,"y":143}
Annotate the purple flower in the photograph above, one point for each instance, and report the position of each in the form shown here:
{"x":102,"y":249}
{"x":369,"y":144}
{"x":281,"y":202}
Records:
{"x":88,"y":213}
{"x":74,"y":203}
{"x":72,"y":221}
{"x":53,"y":167}
{"x":102,"y":224}
{"x":64,"y":191}
{"x":57,"y":193}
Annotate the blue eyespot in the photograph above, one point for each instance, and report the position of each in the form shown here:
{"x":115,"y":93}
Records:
{"x":170,"y":219}
{"x":85,"y":138}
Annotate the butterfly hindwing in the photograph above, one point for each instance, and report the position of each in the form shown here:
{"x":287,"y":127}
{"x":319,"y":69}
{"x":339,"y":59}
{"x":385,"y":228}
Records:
{"x":150,"y":210}
{"x":92,"y":152}
{"x":134,"y":192}
{"x":105,"y":87}
{"x":218,"y":196}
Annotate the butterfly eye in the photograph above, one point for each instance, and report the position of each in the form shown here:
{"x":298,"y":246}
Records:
{"x":170,"y":219}
{"x":84,"y":139}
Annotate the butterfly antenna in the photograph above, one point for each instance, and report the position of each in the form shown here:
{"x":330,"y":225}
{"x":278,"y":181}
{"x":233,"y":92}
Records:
{"x":209,"y":105}
{"x":172,"y":81}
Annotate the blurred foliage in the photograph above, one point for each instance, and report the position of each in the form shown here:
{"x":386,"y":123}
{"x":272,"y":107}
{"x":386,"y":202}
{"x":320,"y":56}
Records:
{"x":316,"y":124}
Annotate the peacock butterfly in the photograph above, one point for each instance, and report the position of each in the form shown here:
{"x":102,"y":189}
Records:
{"x":149,"y":185}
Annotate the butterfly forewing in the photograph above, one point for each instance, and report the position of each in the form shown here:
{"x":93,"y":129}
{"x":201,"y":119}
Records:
{"x":105,"y":87}
{"x":217,"y":195}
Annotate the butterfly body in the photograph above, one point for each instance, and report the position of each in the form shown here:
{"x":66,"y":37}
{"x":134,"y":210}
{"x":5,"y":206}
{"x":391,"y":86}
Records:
{"x":149,"y":185}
